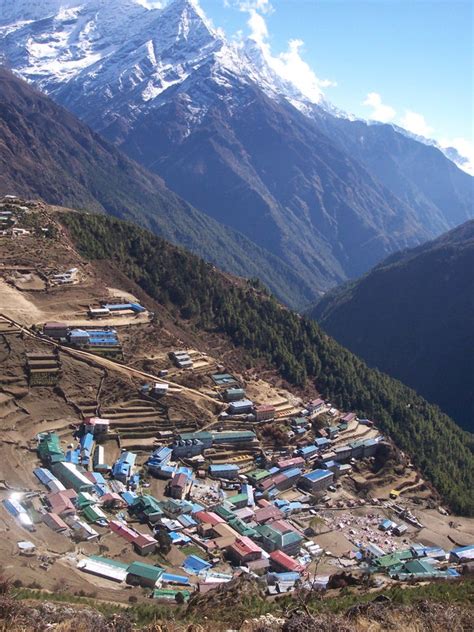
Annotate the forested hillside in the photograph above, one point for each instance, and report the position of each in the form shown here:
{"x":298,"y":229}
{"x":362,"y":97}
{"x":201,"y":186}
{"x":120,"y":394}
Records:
{"x":412,"y":316}
{"x":296,"y":346}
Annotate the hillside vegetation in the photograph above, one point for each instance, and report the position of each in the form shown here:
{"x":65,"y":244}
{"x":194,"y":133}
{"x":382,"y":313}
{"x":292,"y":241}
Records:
{"x":296,"y":346}
{"x":412,"y":317}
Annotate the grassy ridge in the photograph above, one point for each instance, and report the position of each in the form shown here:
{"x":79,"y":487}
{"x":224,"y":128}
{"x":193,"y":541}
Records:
{"x":296,"y":346}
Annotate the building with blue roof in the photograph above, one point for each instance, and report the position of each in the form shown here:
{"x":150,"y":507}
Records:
{"x":363,"y":448}
{"x":73,"y":456}
{"x":129,"y":497}
{"x":241,"y":407}
{"x":322,"y":442}
{"x":462,"y":554}
{"x":187,"y":521}
{"x":179,"y":538}
{"x":170,"y":578}
{"x":317,"y":480}
{"x":195,"y":565}
{"x":307,"y":452}
{"x":224,"y":470}
{"x":386,"y":525}
{"x":122,"y":469}
{"x":47,"y":478}
{"x":294,"y":473}
{"x":160,"y":457}
{"x":87,"y":445}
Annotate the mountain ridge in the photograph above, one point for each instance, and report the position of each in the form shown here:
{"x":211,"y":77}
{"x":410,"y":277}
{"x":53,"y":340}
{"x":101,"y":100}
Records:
{"x":411,"y":316}
{"x":235,"y":139}
{"x":46,"y":151}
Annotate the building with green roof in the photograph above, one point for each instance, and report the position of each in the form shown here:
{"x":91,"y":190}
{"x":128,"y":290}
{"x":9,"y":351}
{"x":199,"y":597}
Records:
{"x":171,"y":594}
{"x":239,"y":500}
{"x":393,"y":560}
{"x":147,"y":508}
{"x":142,"y":574}
{"x":224,"y":511}
{"x":94,"y":514}
{"x":257,"y":476}
{"x":108,"y":560}
{"x":49,"y":448}
{"x":273,"y":539}
{"x":421,"y":569}
{"x":243,"y":528}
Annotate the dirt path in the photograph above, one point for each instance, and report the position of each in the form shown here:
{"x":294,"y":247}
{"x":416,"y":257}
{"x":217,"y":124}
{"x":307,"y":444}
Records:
{"x":17,"y":305}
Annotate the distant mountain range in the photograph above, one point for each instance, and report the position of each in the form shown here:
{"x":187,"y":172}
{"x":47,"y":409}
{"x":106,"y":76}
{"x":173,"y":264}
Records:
{"x":46,"y":151}
{"x":413,"y":317}
{"x":327,"y":196}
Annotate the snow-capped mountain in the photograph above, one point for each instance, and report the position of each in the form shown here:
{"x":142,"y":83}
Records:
{"x":92,"y":50}
{"x":329,"y":195}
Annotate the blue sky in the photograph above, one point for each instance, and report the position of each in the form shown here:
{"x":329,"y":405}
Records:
{"x":409,"y":62}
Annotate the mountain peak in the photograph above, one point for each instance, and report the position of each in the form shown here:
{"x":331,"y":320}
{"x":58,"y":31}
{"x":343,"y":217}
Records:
{"x":190,"y":19}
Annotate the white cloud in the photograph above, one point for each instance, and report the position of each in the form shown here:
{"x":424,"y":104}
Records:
{"x":292,"y":67}
{"x":289,"y":65}
{"x":263,"y":6}
{"x":380,"y":111}
{"x":152,"y":4}
{"x":465,"y":149}
{"x":258,"y":28}
{"x":416,"y":124}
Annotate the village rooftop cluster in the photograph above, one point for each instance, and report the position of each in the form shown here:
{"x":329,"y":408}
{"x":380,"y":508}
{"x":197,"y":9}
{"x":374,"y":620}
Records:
{"x":234,"y":522}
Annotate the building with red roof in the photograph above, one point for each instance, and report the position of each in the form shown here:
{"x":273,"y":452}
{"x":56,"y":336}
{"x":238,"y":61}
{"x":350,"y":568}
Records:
{"x":244,"y":550}
{"x":281,"y":562}
{"x":177,"y":486}
{"x":61,"y":503}
{"x":208,"y":517}
{"x":264,"y":412}
{"x":121,"y":529}
{"x":265,"y":514}
{"x":287,"y":464}
{"x":144,"y":543}
{"x":55,"y":522}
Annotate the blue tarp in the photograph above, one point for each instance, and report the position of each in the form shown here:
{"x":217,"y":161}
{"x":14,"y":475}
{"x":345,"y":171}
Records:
{"x":185,"y":470}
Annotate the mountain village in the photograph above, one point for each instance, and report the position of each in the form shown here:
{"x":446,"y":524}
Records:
{"x":140,"y":462}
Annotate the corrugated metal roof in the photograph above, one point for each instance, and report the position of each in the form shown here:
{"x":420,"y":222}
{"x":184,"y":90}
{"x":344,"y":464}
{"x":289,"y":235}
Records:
{"x":146,"y":571}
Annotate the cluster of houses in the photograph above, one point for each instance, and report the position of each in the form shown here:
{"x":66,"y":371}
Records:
{"x":417,"y":561}
{"x":253,"y":530}
{"x":8,"y":217}
{"x":12,"y":215}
